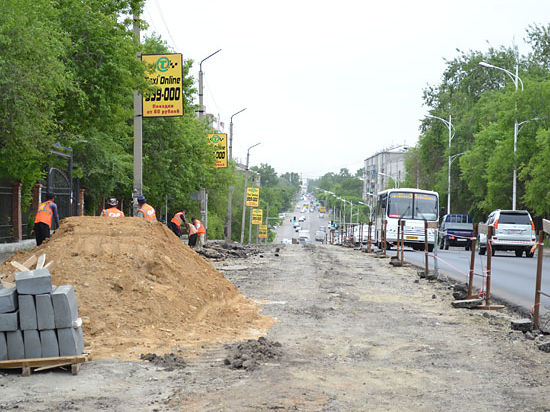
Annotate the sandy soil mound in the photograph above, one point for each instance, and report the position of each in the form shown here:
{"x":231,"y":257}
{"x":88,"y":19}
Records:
{"x":140,"y":289}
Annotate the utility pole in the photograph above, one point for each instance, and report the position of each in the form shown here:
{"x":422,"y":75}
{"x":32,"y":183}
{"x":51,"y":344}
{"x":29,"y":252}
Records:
{"x":244,"y":195}
{"x":230,"y":193}
{"x":138,"y":137}
{"x":203,"y":194}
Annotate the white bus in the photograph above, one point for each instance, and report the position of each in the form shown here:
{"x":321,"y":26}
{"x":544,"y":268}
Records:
{"x":412,"y":205}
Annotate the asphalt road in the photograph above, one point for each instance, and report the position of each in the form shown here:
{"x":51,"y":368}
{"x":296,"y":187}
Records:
{"x":513,"y":278}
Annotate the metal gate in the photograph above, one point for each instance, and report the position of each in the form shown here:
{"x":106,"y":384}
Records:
{"x":60,"y":186}
{"x":6,"y":205}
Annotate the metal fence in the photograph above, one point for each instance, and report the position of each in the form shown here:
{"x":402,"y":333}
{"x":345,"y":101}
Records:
{"x":6,"y":205}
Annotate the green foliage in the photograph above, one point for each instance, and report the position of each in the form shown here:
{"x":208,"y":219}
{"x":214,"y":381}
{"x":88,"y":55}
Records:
{"x":484,"y":105}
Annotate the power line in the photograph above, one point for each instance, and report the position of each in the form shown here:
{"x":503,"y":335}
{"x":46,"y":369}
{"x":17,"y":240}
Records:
{"x":166,"y":26}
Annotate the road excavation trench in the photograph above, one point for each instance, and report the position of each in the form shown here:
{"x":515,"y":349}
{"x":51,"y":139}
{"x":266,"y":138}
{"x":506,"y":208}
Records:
{"x":352,"y":333}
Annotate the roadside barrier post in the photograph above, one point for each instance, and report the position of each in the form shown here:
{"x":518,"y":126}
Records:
{"x":385,"y":246}
{"x":402,"y":241}
{"x":361,"y":236}
{"x":488,"y":230}
{"x":398,"y":242}
{"x":472,"y":263}
{"x":369,"y":240}
{"x":426,"y":247}
{"x":542,"y":234}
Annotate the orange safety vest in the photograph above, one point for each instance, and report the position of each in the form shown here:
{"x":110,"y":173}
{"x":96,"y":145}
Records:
{"x":148,"y":212}
{"x":200,"y":230}
{"x":178,"y":218}
{"x":191,"y":229}
{"x":112,"y":212}
{"x":44,"y":213}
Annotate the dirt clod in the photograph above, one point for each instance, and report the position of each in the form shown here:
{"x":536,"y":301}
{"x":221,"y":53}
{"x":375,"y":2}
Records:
{"x":250,"y":354}
{"x":169,"y":361}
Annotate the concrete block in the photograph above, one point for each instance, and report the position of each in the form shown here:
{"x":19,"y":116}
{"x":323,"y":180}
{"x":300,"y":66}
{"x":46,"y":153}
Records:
{"x":27,"y":313}
{"x":44,"y":312}
{"x":65,"y":307}
{"x":16,"y":347}
{"x":33,"y":347}
{"x":71,"y":341}
{"x":33,"y":282}
{"x":9,"y":321}
{"x":8,"y":300}
{"x":544,"y":346}
{"x":523,"y":325}
{"x":48,"y":340}
{"x":3,"y":347}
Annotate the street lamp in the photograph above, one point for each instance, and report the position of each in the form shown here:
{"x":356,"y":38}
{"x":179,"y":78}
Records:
{"x":245,"y":186}
{"x":201,"y":107}
{"x":449,"y":124}
{"x":230,"y":193}
{"x":395,"y":181}
{"x":515,"y":77}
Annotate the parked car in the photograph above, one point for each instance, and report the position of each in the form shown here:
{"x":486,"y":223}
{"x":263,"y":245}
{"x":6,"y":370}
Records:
{"x":513,"y":230}
{"x":320,"y":236}
{"x":456,"y":229}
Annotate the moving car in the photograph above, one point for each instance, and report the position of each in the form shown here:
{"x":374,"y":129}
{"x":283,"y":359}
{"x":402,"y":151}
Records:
{"x":302,"y":219}
{"x":320,"y":236}
{"x":513,"y":230}
{"x":303,"y":237}
{"x":456,"y":229}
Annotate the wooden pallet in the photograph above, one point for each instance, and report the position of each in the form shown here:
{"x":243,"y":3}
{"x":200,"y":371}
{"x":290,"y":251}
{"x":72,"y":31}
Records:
{"x":41,"y":364}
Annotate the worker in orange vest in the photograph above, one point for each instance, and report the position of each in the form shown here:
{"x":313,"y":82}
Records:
{"x":113,"y":211}
{"x":192,"y":233}
{"x":201,"y":231}
{"x":177,"y":221}
{"x":146,"y":211}
{"x":43,"y":219}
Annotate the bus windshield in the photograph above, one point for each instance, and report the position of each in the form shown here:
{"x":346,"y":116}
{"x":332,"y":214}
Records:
{"x":421,"y":206}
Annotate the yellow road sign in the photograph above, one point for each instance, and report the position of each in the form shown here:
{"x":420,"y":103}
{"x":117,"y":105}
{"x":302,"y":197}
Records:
{"x":219,"y":142}
{"x":263,"y":232}
{"x":323,"y":209}
{"x":253,"y":196}
{"x":166,"y":76}
{"x":257,"y":216}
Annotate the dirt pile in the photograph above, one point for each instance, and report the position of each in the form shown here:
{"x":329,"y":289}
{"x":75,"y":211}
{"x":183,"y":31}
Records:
{"x":222,"y":251}
{"x":250,"y":354}
{"x":140,"y":289}
{"x":169,"y":361}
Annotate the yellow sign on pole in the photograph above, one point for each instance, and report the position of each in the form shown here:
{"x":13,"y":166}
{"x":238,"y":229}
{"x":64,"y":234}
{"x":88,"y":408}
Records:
{"x":257,"y":216}
{"x":219,"y":142}
{"x":323,"y":209}
{"x":253,"y":196}
{"x":166,"y":77}
{"x":263,"y":232}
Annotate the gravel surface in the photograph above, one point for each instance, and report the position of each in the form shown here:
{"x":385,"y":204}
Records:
{"x":354,"y":334}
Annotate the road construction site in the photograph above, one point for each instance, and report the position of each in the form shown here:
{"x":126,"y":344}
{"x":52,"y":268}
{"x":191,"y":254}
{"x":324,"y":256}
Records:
{"x":277,"y":327}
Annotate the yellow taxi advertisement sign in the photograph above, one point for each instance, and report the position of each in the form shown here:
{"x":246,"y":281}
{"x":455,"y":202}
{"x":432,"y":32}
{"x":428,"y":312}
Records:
{"x":166,"y":76}
{"x":253,"y":196}
{"x":257,"y":216}
{"x":219,"y":143}
{"x":262,"y":234}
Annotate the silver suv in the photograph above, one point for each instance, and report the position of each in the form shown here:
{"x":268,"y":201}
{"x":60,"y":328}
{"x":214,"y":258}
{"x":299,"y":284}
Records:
{"x":513,"y":230}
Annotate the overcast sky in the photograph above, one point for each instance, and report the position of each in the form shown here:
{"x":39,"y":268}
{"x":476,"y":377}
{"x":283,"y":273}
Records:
{"x":327,"y":84}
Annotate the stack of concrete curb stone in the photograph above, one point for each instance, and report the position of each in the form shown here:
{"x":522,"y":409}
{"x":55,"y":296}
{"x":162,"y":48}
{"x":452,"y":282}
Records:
{"x":38,"y":320}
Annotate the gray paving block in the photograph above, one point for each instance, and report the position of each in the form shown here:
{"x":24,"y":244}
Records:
{"x":27,"y":313}
{"x":3,"y":347}
{"x":48,"y":340}
{"x":65,"y":307}
{"x":16,"y":348}
{"x":33,"y":348}
{"x":33,"y":282}
{"x":44,"y":312}
{"x":8,"y":300}
{"x":71,"y":341}
{"x":9,"y":321}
